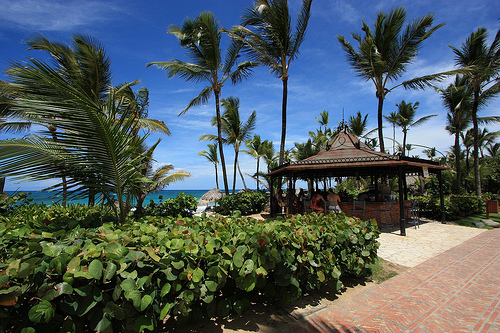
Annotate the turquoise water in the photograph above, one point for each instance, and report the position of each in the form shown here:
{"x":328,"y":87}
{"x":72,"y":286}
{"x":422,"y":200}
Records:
{"x":48,"y":198}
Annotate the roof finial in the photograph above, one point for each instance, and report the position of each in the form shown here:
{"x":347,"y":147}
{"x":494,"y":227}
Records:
{"x":342,"y":124}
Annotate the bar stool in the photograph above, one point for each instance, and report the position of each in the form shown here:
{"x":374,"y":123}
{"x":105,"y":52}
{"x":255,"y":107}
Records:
{"x":360,"y":207}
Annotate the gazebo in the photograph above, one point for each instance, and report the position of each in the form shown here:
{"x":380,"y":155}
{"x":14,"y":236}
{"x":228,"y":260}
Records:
{"x":347,"y":156}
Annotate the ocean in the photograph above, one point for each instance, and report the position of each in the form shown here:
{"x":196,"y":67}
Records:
{"x":48,"y":198}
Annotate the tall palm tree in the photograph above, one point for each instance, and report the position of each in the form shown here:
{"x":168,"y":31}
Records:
{"x":457,"y":99}
{"x":256,"y":148}
{"x":385,"y":53}
{"x":235,"y":130}
{"x":357,"y":125}
{"x":201,"y":38}
{"x":304,"y":150}
{"x":406,"y":115}
{"x":324,"y":119}
{"x":273,"y":42}
{"x":212,"y":157}
{"x":483,"y":79}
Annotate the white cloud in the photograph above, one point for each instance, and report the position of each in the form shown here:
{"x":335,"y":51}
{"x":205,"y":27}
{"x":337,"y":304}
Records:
{"x":54,"y":15}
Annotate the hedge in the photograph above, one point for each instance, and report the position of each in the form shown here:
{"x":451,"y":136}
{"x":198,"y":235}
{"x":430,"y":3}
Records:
{"x":56,"y":276}
{"x":456,"y":206}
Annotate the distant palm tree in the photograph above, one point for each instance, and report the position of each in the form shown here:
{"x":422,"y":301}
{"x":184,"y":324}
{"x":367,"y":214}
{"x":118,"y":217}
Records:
{"x":357,"y":125}
{"x":156,"y":180}
{"x":273,"y":43}
{"x":406,"y":119}
{"x":235,"y":130}
{"x":211,"y":156}
{"x":483,"y":79}
{"x":493,"y":149}
{"x":385,"y":54}
{"x":324,"y":119}
{"x":304,"y":150}
{"x":201,"y":38}
{"x":457,"y":99}
{"x":256,"y":148}
{"x":392,"y":118}
{"x":486,"y":138}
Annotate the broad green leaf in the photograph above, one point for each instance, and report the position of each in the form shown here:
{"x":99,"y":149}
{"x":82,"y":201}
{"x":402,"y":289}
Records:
{"x":110,"y":271}
{"x":249,"y":282}
{"x":165,"y":311}
{"x":152,"y":253}
{"x":128,"y":285}
{"x":212,"y":285}
{"x":145,"y":302}
{"x":197,"y":275}
{"x":96,"y":269}
{"x":28,"y":330}
{"x":74,"y":265}
{"x":13,"y":268}
{"x":52,"y":250}
{"x":165,"y":289}
{"x":247,"y":267}
{"x":42,"y":312}
{"x":321,"y":276}
{"x":64,"y":288}
{"x":178,"y":264}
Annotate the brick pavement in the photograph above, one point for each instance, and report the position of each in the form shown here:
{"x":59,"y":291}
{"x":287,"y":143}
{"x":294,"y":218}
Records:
{"x":456,"y":291}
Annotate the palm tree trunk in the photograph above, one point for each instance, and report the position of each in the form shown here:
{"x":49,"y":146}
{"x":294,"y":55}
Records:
{"x":258,"y":160}
{"x":216,"y":177}
{"x":242,"y":179}
{"x":477,"y":175}
{"x":457,"y":161}
{"x":379,"y":117}
{"x":219,"y":138}
{"x":234,"y":174}
{"x":283,"y":119}
{"x":2,"y":184}
{"x":404,"y":143}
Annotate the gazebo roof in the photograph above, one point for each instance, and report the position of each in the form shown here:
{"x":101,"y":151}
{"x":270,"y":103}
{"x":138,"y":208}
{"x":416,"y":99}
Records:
{"x":346,"y":155}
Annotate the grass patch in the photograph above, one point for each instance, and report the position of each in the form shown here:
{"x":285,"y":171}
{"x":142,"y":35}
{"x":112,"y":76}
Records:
{"x":383,"y":270}
{"x":469,"y":220}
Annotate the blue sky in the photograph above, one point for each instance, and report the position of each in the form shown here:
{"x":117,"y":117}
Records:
{"x":135,"y":33}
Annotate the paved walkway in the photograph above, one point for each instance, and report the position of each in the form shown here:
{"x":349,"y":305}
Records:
{"x":428,"y":240}
{"x":455,"y":291}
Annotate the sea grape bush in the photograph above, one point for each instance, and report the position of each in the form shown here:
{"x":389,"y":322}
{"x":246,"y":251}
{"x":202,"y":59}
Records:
{"x":247,"y":203}
{"x":131,"y":277}
{"x":183,"y":205}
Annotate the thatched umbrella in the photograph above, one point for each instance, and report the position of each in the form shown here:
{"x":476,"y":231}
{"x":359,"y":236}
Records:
{"x":211,"y":196}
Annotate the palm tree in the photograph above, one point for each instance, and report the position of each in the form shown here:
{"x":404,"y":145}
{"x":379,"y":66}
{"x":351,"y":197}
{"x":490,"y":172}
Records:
{"x":406,"y":115}
{"x":457,"y":99}
{"x":212,"y":157}
{"x":393,"y":119}
{"x":385,"y":53}
{"x":483,"y":79}
{"x":304,"y":150}
{"x":493,"y":149}
{"x":357,"y":125}
{"x":324,"y":119}
{"x":201,"y":38}
{"x":156,"y":180}
{"x":235,"y":131}
{"x":97,"y":142}
{"x":256,"y":148}
{"x":273,"y":43}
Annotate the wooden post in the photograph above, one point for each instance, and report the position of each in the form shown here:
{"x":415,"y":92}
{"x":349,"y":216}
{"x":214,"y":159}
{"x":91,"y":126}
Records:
{"x":271,"y":198}
{"x":401,"y":202}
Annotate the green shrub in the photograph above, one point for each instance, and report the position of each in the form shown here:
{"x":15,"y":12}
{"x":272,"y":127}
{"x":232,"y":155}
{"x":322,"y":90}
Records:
{"x":183,"y":205}
{"x":130,"y":277}
{"x":456,"y":206}
{"x":246,"y":202}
